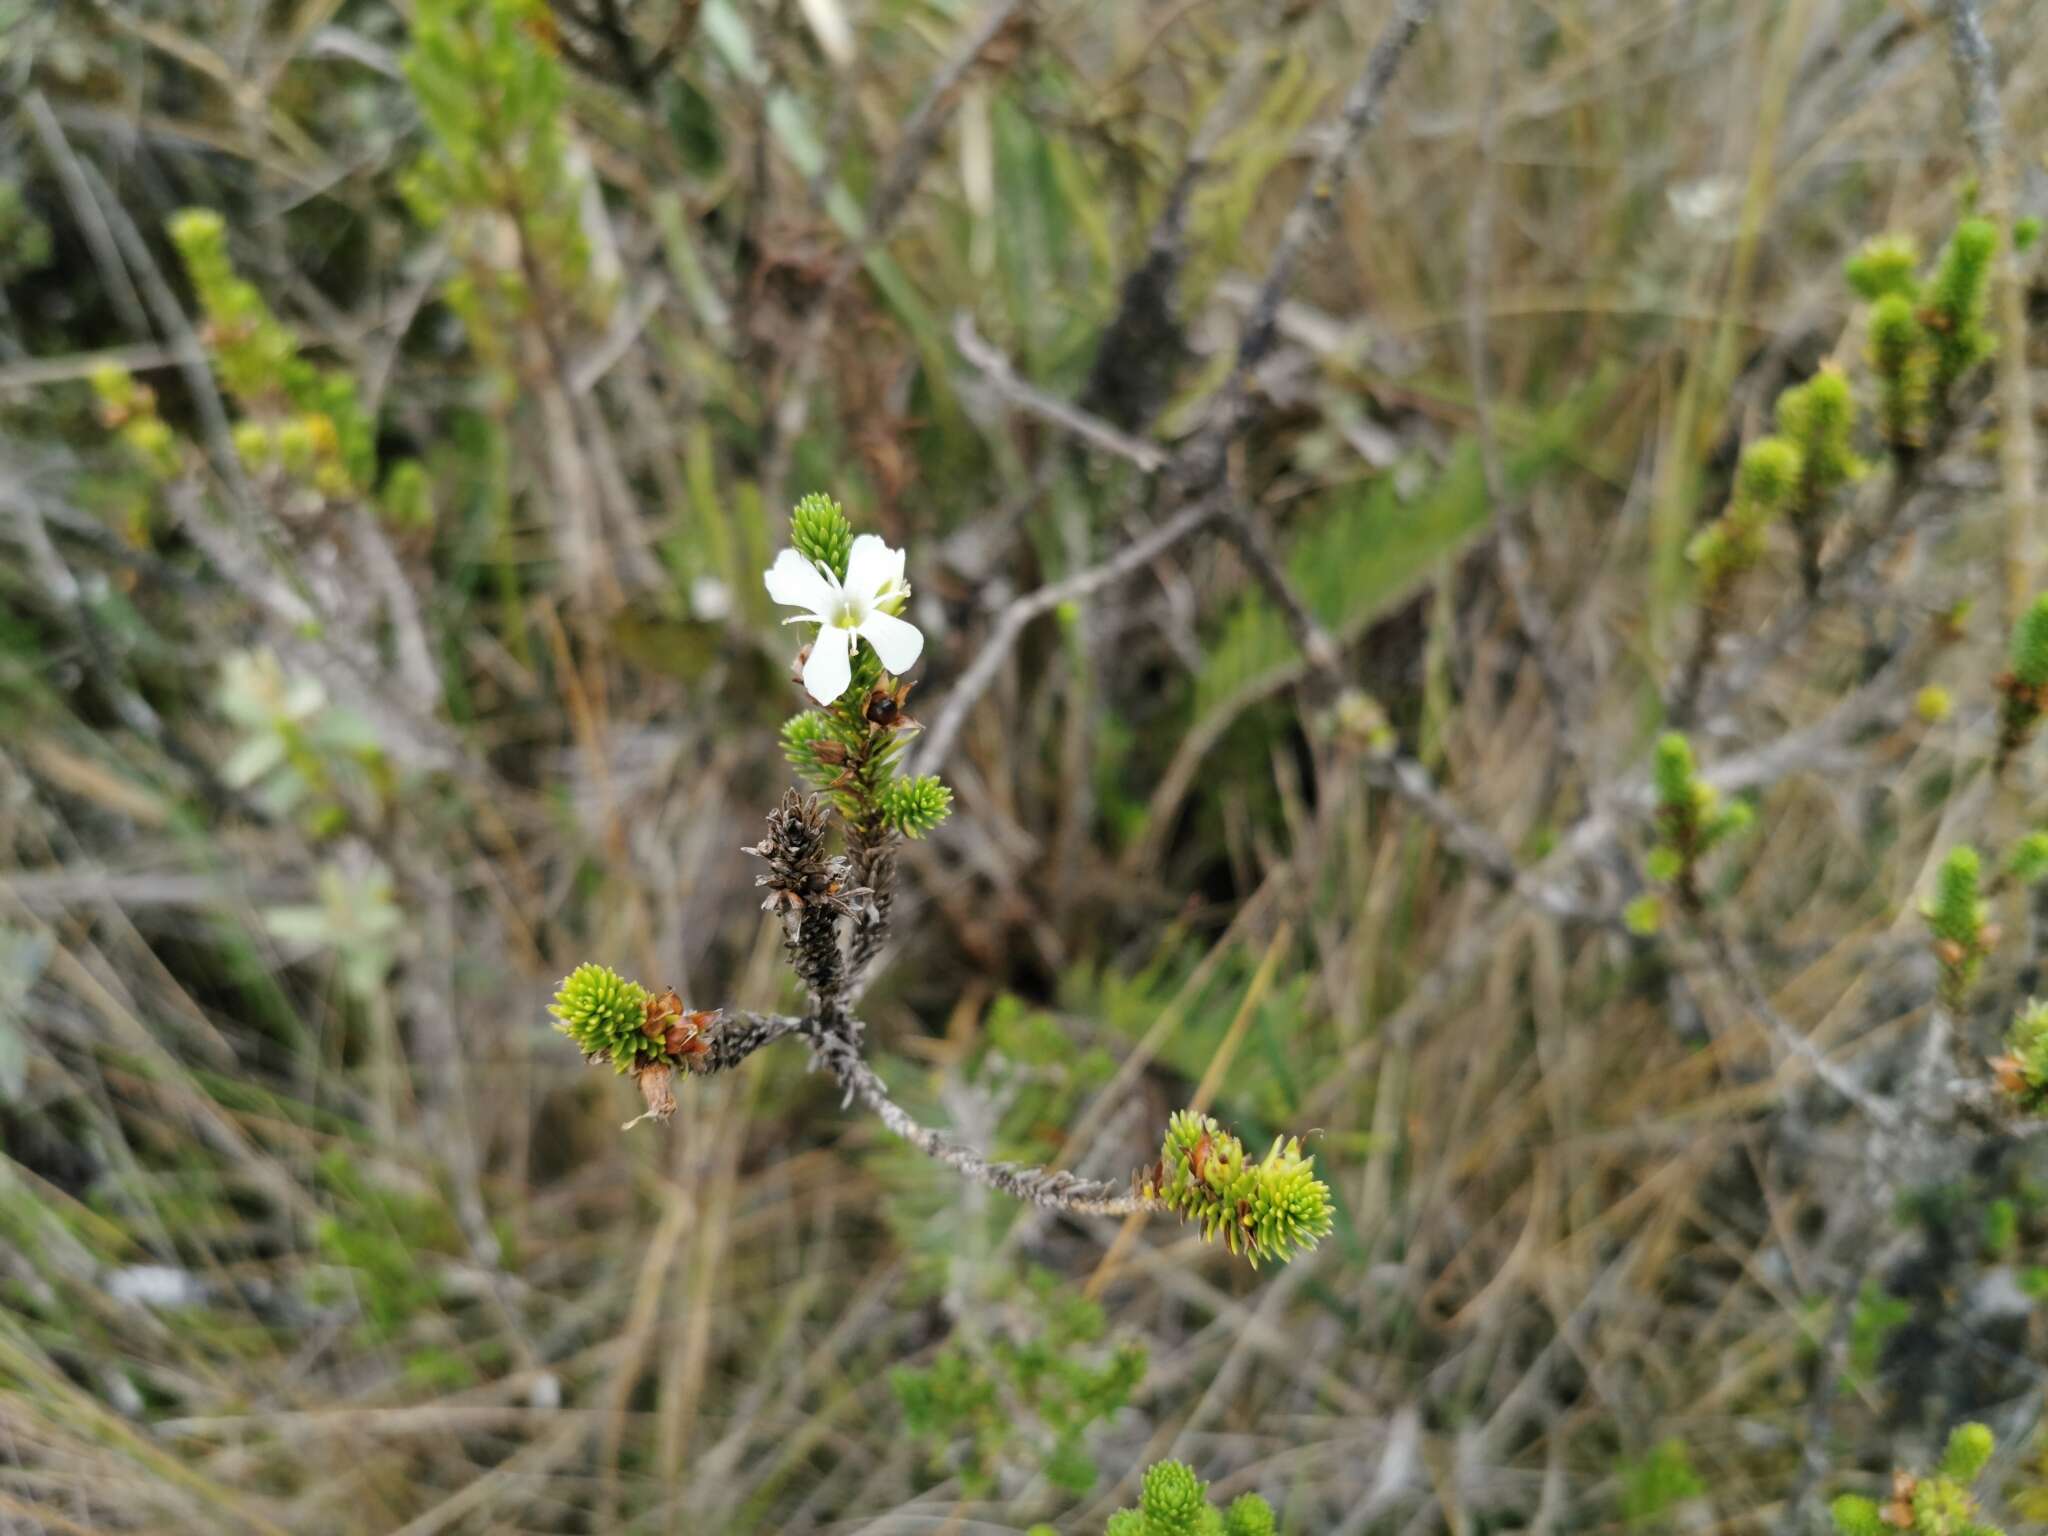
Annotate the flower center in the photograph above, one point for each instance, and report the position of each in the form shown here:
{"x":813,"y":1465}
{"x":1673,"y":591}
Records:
{"x":850,"y":612}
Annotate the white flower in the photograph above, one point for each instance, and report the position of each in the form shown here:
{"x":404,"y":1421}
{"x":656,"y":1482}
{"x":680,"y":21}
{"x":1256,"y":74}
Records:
{"x":862,"y":605}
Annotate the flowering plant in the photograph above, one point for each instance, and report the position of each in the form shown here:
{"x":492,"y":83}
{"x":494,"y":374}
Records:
{"x":834,"y":909}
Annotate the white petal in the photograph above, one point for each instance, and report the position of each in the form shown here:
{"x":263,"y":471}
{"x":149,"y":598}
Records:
{"x":898,"y":643}
{"x":800,"y":584}
{"x":828,"y":669}
{"x":871,"y":566}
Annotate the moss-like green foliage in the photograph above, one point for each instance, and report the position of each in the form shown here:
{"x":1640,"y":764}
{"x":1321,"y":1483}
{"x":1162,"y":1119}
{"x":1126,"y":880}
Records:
{"x":819,"y":531}
{"x":2030,"y":645}
{"x":1673,"y":769}
{"x":1175,"y":1502}
{"x":2028,"y":861}
{"x":2023,"y":1069}
{"x":1885,"y":268}
{"x":1767,"y":483}
{"x":1937,"y":1505}
{"x":1770,"y":471}
{"x":1657,"y":1482}
{"x":1022,"y":1401}
{"x":2026,"y":232}
{"x":1957,"y":917}
{"x":914,"y":806}
{"x":1968,"y":1453}
{"x":300,"y":420}
{"x":1818,"y":417}
{"x":1957,"y":301}
{"x":2023,"y":690}
{"x":492,"y":92}
{"x":1691,"y":818}
{"x":606,"y":1016}
{"x":1901,"y":358}
{"x":1249,"y":1515}
{"x":1264,"y":1210}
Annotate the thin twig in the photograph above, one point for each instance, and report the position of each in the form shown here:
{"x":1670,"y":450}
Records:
{"x":1010,"y":624}
{"x":1050,"y":1189}
{"x":995,"y":368}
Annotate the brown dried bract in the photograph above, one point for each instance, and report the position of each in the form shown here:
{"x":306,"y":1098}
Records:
{"x":683,"y":1032}
{"x":657,"y":1088}
{"x":1899,"y":1511}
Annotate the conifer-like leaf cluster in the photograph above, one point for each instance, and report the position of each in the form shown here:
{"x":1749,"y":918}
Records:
{"x":819,"y":531}
{"x":605,"y":1014}
{"x":1175,"y":1502}
{"x":1265,"y":1210}
{"x":913,"y":806}
{"x":1940,"y":1504}
{"x":1924,"y":335}
{"x":1958,"y":917}
{"x":1692,"y":819}
{"x":2023,"y":690}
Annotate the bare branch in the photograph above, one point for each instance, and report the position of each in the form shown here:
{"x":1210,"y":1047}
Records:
{"x":1009,"y":626}
{"x":1047,"y":1188}
{"x":995,"y":368}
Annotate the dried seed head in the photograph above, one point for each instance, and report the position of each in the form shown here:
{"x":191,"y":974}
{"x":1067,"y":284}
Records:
{"x":657,"y":1088}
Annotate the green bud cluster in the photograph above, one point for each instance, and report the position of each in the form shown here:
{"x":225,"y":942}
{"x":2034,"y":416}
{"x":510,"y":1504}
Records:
{"x":2023,"y":1069}
{"x":1818,"y":417}
{"x":1938,"y":1505}
{"x":1691,"y":817}
{"x":1957,"y":301}
{"x":2030,"y":645}
{"x":819,"y":531}
{"x":1958,"y":918}
{"x":2023,"y":690}
{"x":2028,"y":861}
{"x":1175,"y":1502}
{"x":914,"y":806}
{"x":1885,"y":268}
{"x":1264,"y":1210}
{"x":1924,"y":336}
{"x":605,"y":1015}
{"x":1900,"y":359}
{"x":1767,"y":484}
